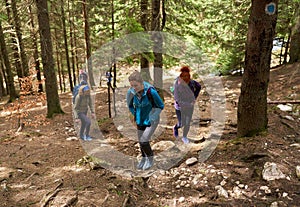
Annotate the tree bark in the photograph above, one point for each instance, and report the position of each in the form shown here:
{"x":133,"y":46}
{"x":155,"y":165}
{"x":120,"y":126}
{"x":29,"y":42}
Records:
{"x":145,"y":70}
{"x":295,"y":42}
{"x":36,"y":51}
{"x":63,"y":19}
{"x":71,"y":24}
{"x":88,"y":43}
{"x":252,"y":106}
{"x":53,"y":104}
{"x":14,"y":47}
{"x":10,"y":79}
{"x":157,"y":44}
{"x":23,"y":55}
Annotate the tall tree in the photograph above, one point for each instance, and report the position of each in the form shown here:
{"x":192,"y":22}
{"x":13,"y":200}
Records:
{"x":156,"y":27}
{"x":63,"y":19}
{"x":2,"y":89}
{"x":36,"y":51}
{"x":144,"y":23}
{"x":295,"y":41}
{"x":10,"y":79}
{"x":17,"y":24}
{"x":14,"y":44}
{"x":53,"y":104}
{"x":88,"y":47}
{"x":252,"y":106}
{"x":72,"y":40}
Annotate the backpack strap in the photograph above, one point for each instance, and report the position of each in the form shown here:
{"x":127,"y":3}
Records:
{"x":150,"y":97}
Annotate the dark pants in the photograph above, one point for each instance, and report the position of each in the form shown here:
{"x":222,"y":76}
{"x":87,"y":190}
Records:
{"x":144,"y":136}
{"x":184,"y":117}
{"x":85,"y":124}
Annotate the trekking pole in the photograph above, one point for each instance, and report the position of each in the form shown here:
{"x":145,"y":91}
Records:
{"x":108,"y":76}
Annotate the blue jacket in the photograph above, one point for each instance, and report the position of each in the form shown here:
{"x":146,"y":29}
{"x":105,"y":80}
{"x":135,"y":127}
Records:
{"x":141,"y":107}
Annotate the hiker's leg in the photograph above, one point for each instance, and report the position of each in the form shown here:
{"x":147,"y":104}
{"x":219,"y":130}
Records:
{"x":87,"y":126}
{"x":81,"y":116}
{"x":187,"y":117}
{"x":179,"y":121}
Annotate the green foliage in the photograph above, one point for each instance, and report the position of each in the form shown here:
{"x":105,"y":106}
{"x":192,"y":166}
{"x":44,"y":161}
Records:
{"x":217,"y":27}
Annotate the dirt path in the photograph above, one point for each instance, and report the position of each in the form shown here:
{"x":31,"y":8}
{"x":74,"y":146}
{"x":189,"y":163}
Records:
{"x":46,"y":165}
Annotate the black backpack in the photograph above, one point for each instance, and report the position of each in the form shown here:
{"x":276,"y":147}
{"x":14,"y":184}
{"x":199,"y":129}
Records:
{"x":150,"y":97}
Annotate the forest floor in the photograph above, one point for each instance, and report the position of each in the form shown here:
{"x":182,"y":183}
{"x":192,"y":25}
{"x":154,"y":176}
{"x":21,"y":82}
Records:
{"x":45,"y":164}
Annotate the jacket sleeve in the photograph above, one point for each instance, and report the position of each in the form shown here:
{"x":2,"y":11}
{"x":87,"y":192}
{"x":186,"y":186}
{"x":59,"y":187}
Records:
{"x":129,"y":100}
{"x":197,"y":88}
{"x":155,"y":112}
{"x":157,"y":99}
{"x":91,"y":104}
{"x":76,"y":107}
{"x":176,"y":94}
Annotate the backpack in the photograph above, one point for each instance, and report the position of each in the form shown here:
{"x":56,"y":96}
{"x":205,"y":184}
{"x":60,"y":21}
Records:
{"x":150,"y":97}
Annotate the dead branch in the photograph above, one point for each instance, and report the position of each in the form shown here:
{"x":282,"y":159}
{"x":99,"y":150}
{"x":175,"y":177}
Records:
{"x":125,"y":200}
{"x":285,"y":102}
{"x":106,"y":197}
{"x":71,"y":201}
{"x":35,"y":173}
{"x":51,"y":196}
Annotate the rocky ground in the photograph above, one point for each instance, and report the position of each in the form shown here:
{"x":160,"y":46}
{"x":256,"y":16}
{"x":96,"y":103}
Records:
{"x":45,"y":164}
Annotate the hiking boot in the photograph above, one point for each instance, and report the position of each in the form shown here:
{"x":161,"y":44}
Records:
{"x":175,"y":131}
{"x":148,"y":163}
{"x":185,"y":140}
{"x":88,"y":138}
{"x":141,"y":163}
{"x":83,"y":137}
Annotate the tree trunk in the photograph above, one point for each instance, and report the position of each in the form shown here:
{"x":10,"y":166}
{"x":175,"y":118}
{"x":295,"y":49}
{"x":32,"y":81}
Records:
{"x":295,"y":42}
{"x":36,"y":51}
{"x":53,"y":104}
{"x":88,"y":43}
{"x":144,"y":56}
{"x":23,"y":55}
{"x":71,"y":20}
{"x":252,"y":106}
{"x":2,"y":77}
{"x":61,"y":75}
{"x":63,"y":19}
{"x":10,"y":79}
{"x":157,"y":44}
{"x":14,"y":47}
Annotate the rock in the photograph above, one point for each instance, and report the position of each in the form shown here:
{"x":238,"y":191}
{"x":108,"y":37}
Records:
{"x":191,"y":161}
{"x":196,"y":179}
{"x":5,"y":173}
{"x":285,"y":107}
{"x":237,"y":193}
{"x":181,"y":199}
{"x":274,"y":204}
{"x":266,"y":189}
{"x":196,"y":147}
{"x":271,"y":172}
{"x":221,"y":191}
{"x":223,"y":182}
{"x":298,"y":171}
{"x":163,"y":145}
{"x":72,"y":138}
{"x":120,"y":127}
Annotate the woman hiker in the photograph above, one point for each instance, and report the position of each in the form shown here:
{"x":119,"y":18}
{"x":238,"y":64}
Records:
{"x":186,"y":92}
{"x":145,"y":105}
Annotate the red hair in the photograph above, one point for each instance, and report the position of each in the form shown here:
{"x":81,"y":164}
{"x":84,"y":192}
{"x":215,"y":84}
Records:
{"x":185,"y":74}
{"x":185,"y":69}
